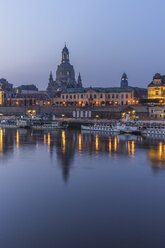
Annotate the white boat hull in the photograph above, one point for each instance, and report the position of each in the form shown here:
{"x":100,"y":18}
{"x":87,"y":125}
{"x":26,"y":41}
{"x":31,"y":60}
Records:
{"x":100,"y":129}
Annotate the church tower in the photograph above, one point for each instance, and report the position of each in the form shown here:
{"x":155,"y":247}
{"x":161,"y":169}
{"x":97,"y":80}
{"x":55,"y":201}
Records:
{"x":124,"y":81}
{"x":65,"y":75}
{"x":51,"y":82}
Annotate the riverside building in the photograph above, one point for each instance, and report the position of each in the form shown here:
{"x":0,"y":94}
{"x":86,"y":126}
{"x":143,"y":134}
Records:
{"x":95,"y":97}
{"x":156,"y":90}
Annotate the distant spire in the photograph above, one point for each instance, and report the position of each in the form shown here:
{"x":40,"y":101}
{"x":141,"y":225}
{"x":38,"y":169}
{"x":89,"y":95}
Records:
{"x":79,"y":81}
{"x":51,"y":77}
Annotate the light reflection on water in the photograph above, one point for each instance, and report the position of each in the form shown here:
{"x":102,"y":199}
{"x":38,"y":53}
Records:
{"x":69,"y":188}
{"x":72,"y":142}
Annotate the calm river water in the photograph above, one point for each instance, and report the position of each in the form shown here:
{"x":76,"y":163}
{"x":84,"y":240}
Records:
{"x":76,"y":189}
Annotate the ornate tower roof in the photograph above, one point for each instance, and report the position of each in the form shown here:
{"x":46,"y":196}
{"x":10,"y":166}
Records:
{"x":65,"y":55}
{"x":124,"y":81}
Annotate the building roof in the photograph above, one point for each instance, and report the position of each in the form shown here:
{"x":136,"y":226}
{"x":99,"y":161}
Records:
{"x":37,"y":96}
{"x":139,"y":92}
{"x":3,"y":81}
{"x":158,"y":76}
{"x":98,"y":89}
{"x":28,"y":87}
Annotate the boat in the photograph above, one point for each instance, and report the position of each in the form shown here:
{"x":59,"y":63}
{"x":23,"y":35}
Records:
{"x":8,"y":124}
{"x":118,"y":127}
{"x":49,"y":125}
{"x":100,"y":127}
{"x":126,"y":128}
{"x":21,"y":123}
{"x":154,"y":130}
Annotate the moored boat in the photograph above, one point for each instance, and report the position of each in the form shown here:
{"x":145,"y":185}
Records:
{"x":100,"y":127}
{"x":49,"y":125}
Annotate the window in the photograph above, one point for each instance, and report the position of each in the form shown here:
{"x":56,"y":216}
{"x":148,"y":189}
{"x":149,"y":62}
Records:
{"x":68,"y":73}
{"x":126,"y":95}
{"x":66,"y":96}
{"x":94,"y":95}
{"x":113,"y":96}
{"x":62,"y":96}
{"x":109,"y":96}
{"x":122,"y":96}
{"x":101,"y":96}
{"x":117,"y":96}
{"x":90,"y":95}
{"x":70,"y":96}
{"x":156,"y":93}
{"x":81,"y":96}
{"x":74,"y":96}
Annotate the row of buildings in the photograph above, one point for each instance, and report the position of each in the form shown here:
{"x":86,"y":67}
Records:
{"x":65,"y":90}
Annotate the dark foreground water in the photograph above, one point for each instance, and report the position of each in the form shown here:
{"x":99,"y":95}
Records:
{"x":72,"y":189}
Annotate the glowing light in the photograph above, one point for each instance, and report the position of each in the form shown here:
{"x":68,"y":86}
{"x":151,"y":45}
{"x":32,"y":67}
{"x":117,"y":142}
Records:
{"x":131,"y":148}
{"x":79,"y":142}
{"x":115,"y":144}
{"x":44,"y":139}
{"x":110,"y":144}
{"x":63,"y":141}
{"x":48,"y":138}
{"x":97,"y":143}
{"x":17,"y":139}
{"x":160,"y":149}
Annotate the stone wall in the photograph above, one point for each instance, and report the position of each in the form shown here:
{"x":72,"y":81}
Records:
{"x":113,"y":112}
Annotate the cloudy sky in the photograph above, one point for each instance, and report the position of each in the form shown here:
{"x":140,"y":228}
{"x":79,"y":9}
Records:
{"x":105,"y":38}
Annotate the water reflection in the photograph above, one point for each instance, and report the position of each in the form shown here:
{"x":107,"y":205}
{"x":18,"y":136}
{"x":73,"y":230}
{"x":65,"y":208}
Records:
{"x":64,"y":144}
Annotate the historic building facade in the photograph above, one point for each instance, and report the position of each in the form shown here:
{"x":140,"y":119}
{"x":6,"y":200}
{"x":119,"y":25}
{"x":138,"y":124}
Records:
{"x":156,"y":89}
{"x":6,"y":90}
{"x":95,"y":97}
{"x":65,"y":75}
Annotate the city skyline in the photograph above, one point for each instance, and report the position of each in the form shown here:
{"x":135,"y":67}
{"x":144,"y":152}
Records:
{"x":116,"y":39}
